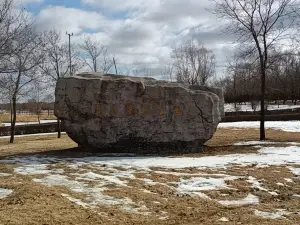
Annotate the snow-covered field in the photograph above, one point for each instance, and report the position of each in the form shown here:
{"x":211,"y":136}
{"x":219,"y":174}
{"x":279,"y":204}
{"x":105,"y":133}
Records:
{"x":196,"y":177}
{"x":261,"y":182}
{"x":229,"y":107}
{"x":288,"y":126}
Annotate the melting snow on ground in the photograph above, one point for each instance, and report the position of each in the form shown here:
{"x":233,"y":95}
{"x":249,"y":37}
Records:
{"x":279,"y":214}
{"x":113,"y":173}
{"x":260,"y":143}
{"x":249,"y":200}
{"x":288,"y":126}
{"x":5,"y":192}
{"x":29,"y":123}
{"x":229,"y":107}
{"x":30,"y":135}
{"x":5,"y":174}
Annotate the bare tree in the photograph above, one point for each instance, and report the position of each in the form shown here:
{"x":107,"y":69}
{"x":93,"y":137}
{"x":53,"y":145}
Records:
{"x":168,"y":72}
{"x":259,"y":24}
{"x":22,"y":63}
{"x":193,"y":63}
{"x":95,"y":55}
{"x":12,"y":25}
{"x":56,"y":52}
{"x":38,"y":87}
{"x":56,"y":63}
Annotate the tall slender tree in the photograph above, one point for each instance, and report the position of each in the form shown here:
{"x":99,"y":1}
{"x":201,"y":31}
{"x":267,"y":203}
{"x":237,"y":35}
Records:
{"x":259,"y":25}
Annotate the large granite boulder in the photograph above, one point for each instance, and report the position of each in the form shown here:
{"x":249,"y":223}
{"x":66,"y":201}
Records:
{"x":112,"y":113}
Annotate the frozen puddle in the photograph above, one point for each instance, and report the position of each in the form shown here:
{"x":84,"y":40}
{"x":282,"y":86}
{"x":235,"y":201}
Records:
{"x":5,"y":192}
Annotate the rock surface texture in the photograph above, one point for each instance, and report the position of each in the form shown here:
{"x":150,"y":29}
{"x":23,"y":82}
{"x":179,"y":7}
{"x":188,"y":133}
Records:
{"x":120,"y":114}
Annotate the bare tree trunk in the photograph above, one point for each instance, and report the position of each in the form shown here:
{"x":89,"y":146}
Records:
{"x":58,"y":129}
{"x":38,"y":117}
{"x":14,"y":118}
{"x":262,"y":105}
{"x":38,"y":113}
{"x":11,"y":112}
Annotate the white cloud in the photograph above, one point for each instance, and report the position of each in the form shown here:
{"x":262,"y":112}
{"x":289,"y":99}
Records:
{"x":25,"y":2}
{"x":117,"y":5}
{"x":144,"y":37}
{"x":69,"y":19}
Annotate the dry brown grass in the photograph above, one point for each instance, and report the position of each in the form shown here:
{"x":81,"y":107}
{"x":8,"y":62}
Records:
{"x":5,"y":118}
{"x":227,"y":137}
{"x":33,"y":203}
{"x":35,"y":144}
{"x":221,"y":143}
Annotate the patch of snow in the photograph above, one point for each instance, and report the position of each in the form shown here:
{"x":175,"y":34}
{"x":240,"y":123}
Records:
{"x":176,"y":173}
{"x":260,"y":143}
{"x":195,"y":194}
{"x":267,"y":156}
{"x":256,"y":183}
{"x":35,"y":169}
{"x":94,"y":176}
{"x":204,"y":184}
{"x":280,"y":184}
{"x":5,"y":174}
{"x":163,"y":217}
{"x":76,"y":201}
{"x":95,"y":195}
{"x":224,"y":219}
{"x":288,"y":126}
{"x":195,"y":185}
{"x":29,"y":123}
{"x":147,"y":191}
{"x":249,"y":200}
{"x":30,"y":135}
{"x":229,"y":107}
{"x":295,"y":171}
{"x":249,"y":143}
{"x":155,"y":202}
{"x":149,"y":182}
{"x":5,"y":192}
{"x":201,"y":184}
{"x":273,"y":193}
{"x":296,"y":196}
{"x":289,"y":180}
{"x":61,"y":180}
{"x":280,"y":214}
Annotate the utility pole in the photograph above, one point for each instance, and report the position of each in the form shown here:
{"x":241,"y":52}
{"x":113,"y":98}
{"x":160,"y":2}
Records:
{"x":70,"y":35}
{"x":115,"y":65}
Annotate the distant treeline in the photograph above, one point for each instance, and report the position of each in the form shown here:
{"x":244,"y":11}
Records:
{"x":30,"y":107}
{"x":282,"y":80}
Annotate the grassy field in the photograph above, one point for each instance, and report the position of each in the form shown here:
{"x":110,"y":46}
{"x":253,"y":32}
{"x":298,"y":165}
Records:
{"x":35,"y":203}
{"x":5,"y":118}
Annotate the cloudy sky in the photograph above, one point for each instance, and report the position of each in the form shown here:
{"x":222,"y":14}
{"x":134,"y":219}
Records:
{"x":139,"y":33}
